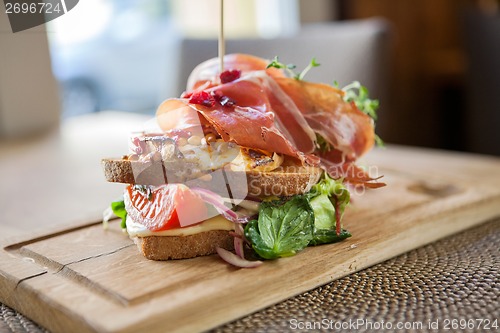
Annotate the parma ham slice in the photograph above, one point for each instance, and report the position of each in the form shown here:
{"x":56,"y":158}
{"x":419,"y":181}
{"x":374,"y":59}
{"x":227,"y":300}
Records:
{"x":341,"y":124}
{"x":247,"y":120}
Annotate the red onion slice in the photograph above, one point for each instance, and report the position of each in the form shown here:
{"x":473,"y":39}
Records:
{"x":238,"y":247}
{"x":238,"y":241}
{"x":234,"y":260}
{"x":217,"y":201}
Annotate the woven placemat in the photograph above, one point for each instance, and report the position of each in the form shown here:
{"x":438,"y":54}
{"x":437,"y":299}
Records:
{"x":455,"y":278}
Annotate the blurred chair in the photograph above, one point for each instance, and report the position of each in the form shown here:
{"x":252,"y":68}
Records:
{"x":482,"y":45}
{"x":347,"y":51}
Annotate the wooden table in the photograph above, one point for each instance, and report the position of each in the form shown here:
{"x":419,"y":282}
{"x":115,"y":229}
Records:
{"x":52,"y":187}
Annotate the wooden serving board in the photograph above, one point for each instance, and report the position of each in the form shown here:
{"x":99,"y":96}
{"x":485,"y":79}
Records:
{"x":87,"y":279}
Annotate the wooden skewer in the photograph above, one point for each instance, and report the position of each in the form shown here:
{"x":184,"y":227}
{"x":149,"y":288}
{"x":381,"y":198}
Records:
{"x":222,"y":46}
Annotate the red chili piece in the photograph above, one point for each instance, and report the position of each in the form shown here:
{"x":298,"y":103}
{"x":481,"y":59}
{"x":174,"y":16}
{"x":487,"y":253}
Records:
{"x":202,"y":98}
{"x":222,"y":99}
{"x":230,"y":75}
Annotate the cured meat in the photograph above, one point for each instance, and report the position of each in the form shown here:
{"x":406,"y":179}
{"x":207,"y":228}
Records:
{"x":341,"y":124}
{"x":290,"y":120}
{"x":176,"y":114}
{"x":208,"y":71}
{"x":335,"y":163}
{"x":266,"y":117}
{"x":248,"y":120}
{"x":260,"y":92}
{"x":323,"y":110}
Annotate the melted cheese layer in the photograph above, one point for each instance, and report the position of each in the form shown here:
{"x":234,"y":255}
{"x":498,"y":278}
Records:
{"x":135,"y":229}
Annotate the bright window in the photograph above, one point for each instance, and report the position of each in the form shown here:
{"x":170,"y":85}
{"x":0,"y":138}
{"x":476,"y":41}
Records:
{"x":123,"y":54}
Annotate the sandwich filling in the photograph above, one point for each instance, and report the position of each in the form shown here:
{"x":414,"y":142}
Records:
{"x":199,"y":155}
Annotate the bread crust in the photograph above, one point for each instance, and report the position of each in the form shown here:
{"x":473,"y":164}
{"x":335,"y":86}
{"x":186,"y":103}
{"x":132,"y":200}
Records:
{"x":287,"y":180}
{"x":184,"y":247}
{"x":133,"y":172}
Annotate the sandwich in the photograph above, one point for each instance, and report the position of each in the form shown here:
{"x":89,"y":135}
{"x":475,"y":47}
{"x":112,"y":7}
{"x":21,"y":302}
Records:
{"x":253,"y":159}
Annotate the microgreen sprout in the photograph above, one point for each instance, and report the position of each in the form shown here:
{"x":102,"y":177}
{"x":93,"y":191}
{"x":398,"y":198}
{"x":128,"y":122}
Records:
{"x":312,"y":64}
{"x":288,"y":68}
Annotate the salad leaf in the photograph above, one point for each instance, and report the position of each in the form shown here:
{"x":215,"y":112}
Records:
{"x":282,"y":229}
{"x":286,"y":227}
{"x":118,"y":208}
{"x":324,"y":212}
{"x":330,"y":187}
{"x":326,"y":236}
{"x":379,"y":142}
{"x":328,"y":199}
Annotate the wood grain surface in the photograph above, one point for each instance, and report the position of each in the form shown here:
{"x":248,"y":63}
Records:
{"x":79,"y":277}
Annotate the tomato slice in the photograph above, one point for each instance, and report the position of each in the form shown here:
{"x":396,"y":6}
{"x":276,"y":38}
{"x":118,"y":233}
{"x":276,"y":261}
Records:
{"x":164,"y":207}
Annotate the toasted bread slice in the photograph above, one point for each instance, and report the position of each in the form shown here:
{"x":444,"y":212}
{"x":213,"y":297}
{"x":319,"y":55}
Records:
{"x":184,"y":247}
{"x":289,"y":179}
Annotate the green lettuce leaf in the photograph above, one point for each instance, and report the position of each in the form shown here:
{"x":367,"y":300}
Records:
{"x":327,"y":236}
{"x":325,"y":197}
{"x":324,"y":212}
{"x":118,"y":208}
{"x":282,"y":229}
{"x":286,"y":227}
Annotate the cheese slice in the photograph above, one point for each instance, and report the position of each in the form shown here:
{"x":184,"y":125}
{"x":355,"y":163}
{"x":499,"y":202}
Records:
{"x":218,"y":222}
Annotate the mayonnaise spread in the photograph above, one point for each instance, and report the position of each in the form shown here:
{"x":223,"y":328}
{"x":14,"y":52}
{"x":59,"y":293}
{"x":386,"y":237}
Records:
{"x":218,"y":222}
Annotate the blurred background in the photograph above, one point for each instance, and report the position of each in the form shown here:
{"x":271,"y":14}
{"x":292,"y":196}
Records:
{"x":436,"y":72}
